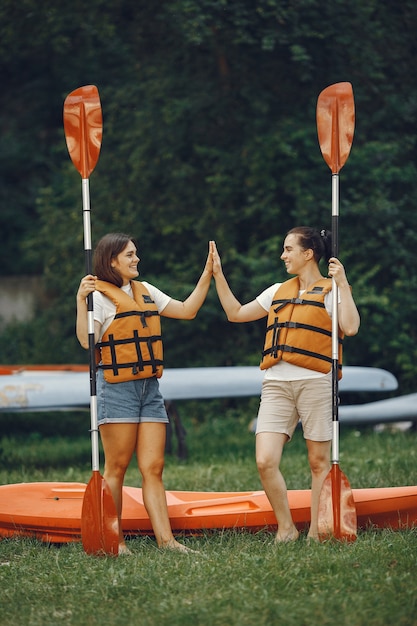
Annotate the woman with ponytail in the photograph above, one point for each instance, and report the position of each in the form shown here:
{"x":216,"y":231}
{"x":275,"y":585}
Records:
{"x":297,"y":360}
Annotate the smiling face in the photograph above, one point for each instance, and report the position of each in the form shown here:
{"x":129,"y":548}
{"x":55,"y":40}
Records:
{"x":126,"y":263}
{"x":293,"y":255}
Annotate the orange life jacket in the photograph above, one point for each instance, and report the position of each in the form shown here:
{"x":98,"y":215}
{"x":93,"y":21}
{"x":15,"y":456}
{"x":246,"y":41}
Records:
{"x":299,"y":329}
{"x":131,"y":347}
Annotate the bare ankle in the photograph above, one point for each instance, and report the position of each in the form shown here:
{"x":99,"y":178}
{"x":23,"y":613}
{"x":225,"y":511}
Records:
{"x":286,"y":536}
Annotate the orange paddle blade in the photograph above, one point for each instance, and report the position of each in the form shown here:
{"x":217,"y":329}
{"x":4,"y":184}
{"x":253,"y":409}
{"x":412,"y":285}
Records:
{"x":337,"y":511}
{"x":335,"y":116}
{"x":83,"y":126}
{"x":99,"y":521}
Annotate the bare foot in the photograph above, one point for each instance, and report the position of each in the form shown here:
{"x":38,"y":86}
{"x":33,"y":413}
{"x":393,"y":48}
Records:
{"x":287,"y":536}
{"x":179,"y":547}
{"x":124,"y":550}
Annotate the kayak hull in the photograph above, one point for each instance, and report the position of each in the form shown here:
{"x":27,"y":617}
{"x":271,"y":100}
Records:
{"x":66,"y":387}
{"x":51,"y":511}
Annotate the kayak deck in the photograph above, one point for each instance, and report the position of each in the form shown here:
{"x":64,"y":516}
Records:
{"x":51,"y":511}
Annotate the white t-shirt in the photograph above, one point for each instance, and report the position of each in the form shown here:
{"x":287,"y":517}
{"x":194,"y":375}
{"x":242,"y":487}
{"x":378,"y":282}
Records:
{"x":283,"y":370}
{"x":105,"y":309}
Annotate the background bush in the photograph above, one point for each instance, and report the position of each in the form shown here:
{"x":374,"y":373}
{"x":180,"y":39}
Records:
{"x":210,"y":133}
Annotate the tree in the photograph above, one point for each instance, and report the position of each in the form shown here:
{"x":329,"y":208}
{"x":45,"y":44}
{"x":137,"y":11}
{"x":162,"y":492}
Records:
{"x":209,"y":132}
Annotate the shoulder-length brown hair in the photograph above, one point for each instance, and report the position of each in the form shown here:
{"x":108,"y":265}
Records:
{"x":107,"y":249}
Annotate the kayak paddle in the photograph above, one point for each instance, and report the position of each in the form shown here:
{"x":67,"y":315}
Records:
{"x":335,"y":127}
{"x":83,"y":132}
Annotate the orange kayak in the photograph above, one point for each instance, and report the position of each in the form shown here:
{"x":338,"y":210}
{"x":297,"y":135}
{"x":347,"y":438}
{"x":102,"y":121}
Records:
{"x":51,"y":511}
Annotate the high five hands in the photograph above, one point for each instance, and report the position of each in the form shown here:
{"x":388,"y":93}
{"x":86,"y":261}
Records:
{"x":213,"y":264}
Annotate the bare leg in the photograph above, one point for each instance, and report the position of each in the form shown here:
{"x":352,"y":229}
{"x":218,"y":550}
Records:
{"x":119,"y":442}
{"x":150,"y":454}
{"x":319,"y":459}
{"x":269,"y":447}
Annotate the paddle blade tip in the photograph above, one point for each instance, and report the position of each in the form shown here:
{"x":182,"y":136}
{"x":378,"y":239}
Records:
{"x":335,"y":118}
{"x":99,"y":520}
{"x":83,"y":127}
{"x":337,"y":517}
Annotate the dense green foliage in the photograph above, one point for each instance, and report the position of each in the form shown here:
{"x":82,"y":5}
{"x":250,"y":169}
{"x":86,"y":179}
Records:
{"x":209,"y":133}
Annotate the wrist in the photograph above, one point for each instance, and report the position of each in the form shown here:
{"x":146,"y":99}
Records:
{"x":344,"y":285}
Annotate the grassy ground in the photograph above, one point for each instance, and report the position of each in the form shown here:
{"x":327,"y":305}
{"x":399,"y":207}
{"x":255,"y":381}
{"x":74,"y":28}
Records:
{"x":237,"y":577}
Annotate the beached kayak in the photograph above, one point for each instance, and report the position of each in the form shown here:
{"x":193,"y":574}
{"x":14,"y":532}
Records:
{"x":51,"y":511}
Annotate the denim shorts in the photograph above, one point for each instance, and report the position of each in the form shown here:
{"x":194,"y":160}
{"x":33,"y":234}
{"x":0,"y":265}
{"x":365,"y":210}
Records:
{"x":134,"y":401}
{"x":285,"y":403}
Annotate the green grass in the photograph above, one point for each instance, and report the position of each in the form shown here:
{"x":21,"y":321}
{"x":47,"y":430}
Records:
{"x":238,"y":578}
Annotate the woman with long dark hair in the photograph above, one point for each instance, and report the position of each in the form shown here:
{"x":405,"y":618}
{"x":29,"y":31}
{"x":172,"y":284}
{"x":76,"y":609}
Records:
{"x":131,"y":412}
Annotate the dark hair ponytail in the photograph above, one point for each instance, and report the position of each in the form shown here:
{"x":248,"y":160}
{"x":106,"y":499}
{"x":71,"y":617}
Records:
{"x":326,"y":237}
{"x":312,"y":239}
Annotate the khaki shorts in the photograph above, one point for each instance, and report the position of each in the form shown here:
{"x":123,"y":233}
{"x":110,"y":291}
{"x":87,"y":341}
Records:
{"x":285,"y":403}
